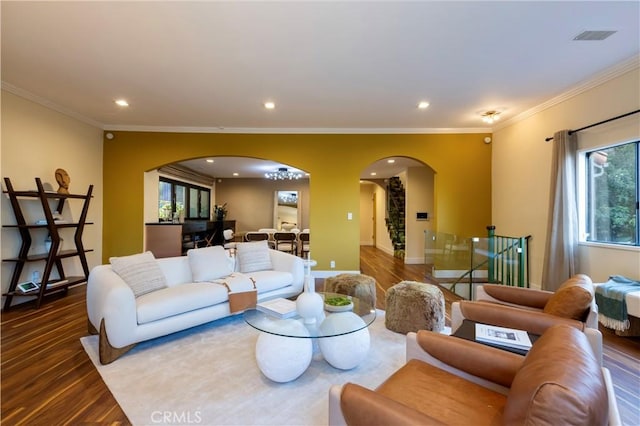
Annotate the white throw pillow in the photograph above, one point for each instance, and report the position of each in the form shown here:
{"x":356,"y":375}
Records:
{"x":209,"y":263}
{"x":253,"y":256}
{"x":140,"y":271}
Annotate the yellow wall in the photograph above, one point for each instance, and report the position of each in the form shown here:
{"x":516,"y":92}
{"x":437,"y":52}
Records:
{"x":462,"y":163}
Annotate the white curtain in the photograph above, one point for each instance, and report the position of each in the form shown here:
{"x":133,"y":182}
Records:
{"x":560,"y":260}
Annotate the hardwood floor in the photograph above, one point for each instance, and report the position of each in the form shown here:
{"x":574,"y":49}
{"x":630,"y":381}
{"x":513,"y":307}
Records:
{"x":47,"y":379}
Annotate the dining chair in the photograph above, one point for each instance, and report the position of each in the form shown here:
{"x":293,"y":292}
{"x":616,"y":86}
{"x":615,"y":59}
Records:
{"x":303,"y":243}
{"x":286,"y":241}
{"x":256,"y":236}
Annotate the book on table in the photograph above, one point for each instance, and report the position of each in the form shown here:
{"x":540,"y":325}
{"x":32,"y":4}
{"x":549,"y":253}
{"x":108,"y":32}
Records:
{"x":502,"y":336}
{"x":280,"y":307}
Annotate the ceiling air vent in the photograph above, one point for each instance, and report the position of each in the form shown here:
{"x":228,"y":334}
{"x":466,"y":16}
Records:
{"x":594,"y":35}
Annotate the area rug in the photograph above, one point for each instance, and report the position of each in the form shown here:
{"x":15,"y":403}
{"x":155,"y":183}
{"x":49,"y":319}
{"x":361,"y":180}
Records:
{"x":208,"y":376}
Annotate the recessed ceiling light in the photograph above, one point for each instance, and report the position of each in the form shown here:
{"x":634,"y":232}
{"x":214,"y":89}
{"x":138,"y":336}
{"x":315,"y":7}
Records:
{"x":391,"y":161}
{"x":236,"y":174}
{"x":122,"y":102}
{"x":269,"y":105}
{"x":423,"y":105}
{"x":209,"y":160}
{"x":373,"y":173}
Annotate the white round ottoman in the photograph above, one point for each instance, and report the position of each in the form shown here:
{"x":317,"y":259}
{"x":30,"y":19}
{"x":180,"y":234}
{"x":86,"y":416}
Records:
{"x":283,"y":359}
{"x":348,"y":350}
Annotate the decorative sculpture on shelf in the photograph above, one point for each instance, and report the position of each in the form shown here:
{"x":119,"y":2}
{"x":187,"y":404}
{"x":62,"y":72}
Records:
{"x":63,"y":179}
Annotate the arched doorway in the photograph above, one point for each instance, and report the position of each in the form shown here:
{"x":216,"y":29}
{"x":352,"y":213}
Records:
{"x":416,"y":181}
{"x":240,"y":185}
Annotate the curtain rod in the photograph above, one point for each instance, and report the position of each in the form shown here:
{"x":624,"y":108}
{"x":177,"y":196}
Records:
{"x":597,"y":124}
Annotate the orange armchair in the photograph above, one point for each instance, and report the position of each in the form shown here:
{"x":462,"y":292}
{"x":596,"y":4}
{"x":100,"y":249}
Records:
{"x":573,"y":389}
{"x":535,"y":311}
{"x":573,"y":299}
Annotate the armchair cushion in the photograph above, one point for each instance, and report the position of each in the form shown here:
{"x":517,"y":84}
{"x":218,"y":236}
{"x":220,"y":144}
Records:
{"x":572,"y":299}
{"x":545,"y":391}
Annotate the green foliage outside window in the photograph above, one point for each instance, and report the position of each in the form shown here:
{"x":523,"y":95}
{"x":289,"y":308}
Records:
{"x":613,"y":193}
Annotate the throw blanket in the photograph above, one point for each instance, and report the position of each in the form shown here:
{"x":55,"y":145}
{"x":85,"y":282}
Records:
{"x":610,"y":298}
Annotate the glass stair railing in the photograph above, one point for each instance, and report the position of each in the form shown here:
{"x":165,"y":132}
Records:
{"x":460,"y":263}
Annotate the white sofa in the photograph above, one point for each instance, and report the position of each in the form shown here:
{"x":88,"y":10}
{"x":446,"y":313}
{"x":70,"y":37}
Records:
{"x":122,"y":319}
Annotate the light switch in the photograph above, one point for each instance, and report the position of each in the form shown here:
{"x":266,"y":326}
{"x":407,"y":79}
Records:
{"x":349,"y":216}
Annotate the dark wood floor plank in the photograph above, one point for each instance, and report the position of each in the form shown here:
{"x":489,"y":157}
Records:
{"x":47,"y":378}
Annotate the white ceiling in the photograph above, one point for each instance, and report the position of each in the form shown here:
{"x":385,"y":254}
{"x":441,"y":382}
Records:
{"x":225,"y":167}
{"x":349,"y":66}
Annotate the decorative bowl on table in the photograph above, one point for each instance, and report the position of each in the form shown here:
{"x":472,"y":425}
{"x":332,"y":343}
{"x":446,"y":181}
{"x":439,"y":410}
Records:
{"x":338,"y":303}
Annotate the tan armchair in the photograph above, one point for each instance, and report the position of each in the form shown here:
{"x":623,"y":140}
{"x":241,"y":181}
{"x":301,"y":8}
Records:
{"x":573,"y":299}
{"x":448,"y":380}
{"x":535,"y":311}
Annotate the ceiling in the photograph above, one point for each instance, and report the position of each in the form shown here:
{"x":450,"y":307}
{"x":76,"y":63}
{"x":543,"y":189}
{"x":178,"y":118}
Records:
{"x":341,"y":66}
{"x":225,"y":167}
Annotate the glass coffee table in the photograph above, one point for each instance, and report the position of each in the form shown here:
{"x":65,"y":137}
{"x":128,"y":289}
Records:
{"x":285,"y":347}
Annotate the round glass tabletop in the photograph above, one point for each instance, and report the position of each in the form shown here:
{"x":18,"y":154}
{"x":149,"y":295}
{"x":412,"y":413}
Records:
{"x":329,"y":324}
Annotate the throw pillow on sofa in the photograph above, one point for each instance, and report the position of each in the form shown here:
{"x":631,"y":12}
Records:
{"x":209,"y":263}
{"x":140,"y":271}
{"x":254,"y":256}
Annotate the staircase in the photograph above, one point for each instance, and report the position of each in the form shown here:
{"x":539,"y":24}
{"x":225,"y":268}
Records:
{"x":396,"y":215}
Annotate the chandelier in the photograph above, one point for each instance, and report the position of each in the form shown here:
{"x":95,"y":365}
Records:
{"x":283,"y":174}
{"x":490,"y":116}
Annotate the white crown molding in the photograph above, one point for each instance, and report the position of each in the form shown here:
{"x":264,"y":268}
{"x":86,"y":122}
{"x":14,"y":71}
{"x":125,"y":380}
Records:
{"x":51,"y":105}
{"x":596,"y":80}
{"x":290,"y":130}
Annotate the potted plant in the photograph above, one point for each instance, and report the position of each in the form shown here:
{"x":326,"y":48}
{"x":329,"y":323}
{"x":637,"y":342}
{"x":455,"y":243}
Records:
{"x":220,"y":211}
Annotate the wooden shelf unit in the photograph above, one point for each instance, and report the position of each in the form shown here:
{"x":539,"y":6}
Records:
{"x":53,"y":258}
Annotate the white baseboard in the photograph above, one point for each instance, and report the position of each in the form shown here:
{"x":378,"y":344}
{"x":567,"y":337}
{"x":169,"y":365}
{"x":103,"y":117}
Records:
{"x":387,"y":250}
{"x":414,"y":260}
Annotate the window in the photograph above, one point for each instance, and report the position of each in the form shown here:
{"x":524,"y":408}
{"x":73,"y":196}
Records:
{"x":612,"y":194}
{"x":175,"y":196}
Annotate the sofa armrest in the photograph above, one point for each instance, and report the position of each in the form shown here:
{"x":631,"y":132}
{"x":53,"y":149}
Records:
{"x":361,"y":406}
{"x":285,"y":262}
{"x":111,"y":299}
{"x":507,"y":316}
{"x":513,"y":296}
{"x":335,"y":413}
{"x":487,"y":366}
{"x":614,"y":414}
